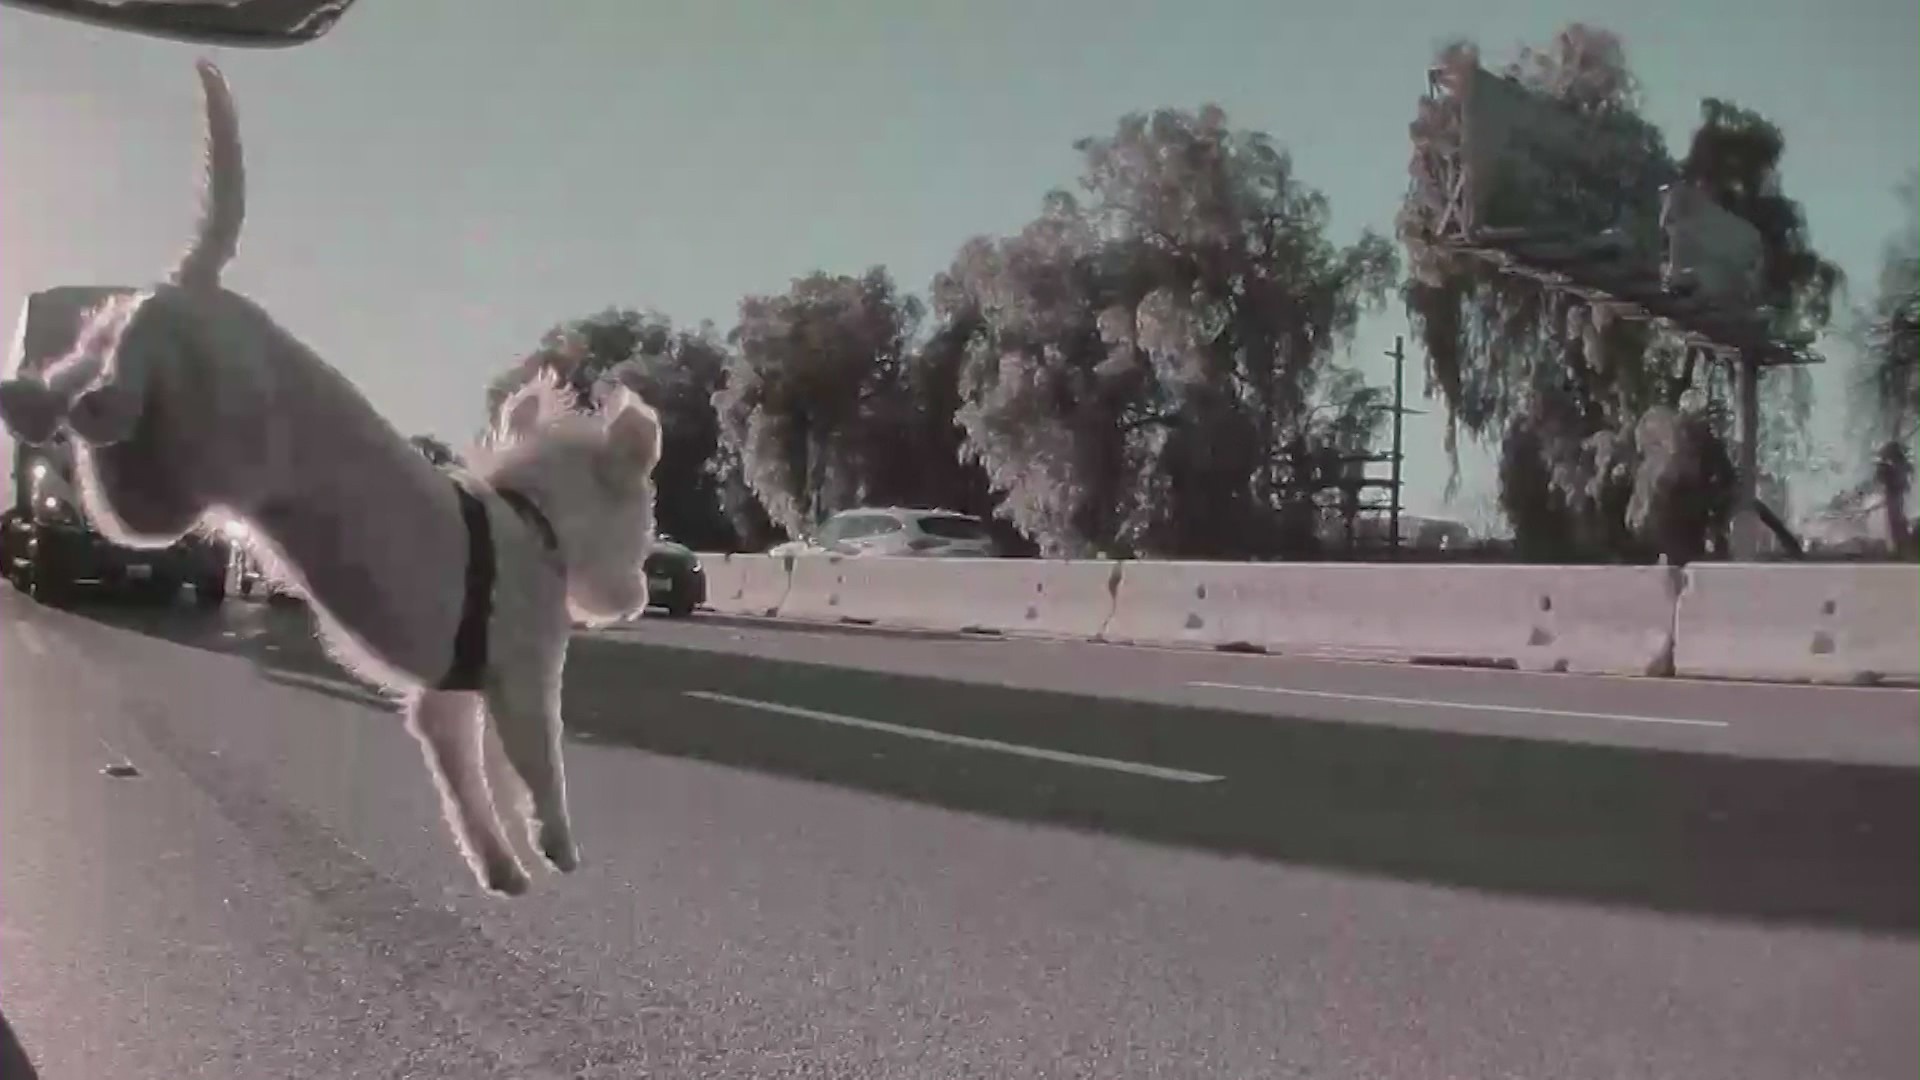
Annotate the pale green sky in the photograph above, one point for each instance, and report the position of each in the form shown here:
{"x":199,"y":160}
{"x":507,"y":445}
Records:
{"x":438,"y":181}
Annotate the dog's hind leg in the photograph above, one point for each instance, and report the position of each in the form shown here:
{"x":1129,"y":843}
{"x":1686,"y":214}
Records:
{"x":448,"y":725}
{"x":523,"y":698}
{"x":131,"y":494}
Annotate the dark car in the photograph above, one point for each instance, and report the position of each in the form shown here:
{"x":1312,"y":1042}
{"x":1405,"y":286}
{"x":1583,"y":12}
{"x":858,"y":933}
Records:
{"x":675,"y":579}
{"x":52,"y":554}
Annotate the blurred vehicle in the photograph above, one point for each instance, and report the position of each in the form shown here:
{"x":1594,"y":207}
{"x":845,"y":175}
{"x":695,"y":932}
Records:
{"x":675,"y":579}
{"x":16,"y":547}
{"x":53,"y":551}
{"x":258,"y":24}
{"x":899,"y":532}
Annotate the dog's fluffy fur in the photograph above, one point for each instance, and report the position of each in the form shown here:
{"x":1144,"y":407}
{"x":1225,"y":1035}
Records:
{"x":189,"y":405}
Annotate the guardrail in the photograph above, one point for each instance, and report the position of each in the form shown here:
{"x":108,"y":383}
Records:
{"x":1844,"y":623}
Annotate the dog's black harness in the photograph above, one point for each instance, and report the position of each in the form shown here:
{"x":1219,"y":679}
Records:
{"x":470,"y":640}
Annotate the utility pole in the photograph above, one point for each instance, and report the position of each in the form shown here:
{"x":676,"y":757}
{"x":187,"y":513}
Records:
{"x":1399,"y":355}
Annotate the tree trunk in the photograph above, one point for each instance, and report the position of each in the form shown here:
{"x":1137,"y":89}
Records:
{"x":1895,"y":477}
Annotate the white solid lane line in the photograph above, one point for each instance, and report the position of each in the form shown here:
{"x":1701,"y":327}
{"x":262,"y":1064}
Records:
{"x":1466,"y":706}
{"x":1158,"y":772}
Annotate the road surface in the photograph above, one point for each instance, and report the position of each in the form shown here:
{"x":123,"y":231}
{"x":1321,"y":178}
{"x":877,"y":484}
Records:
{"x":851,"y":854}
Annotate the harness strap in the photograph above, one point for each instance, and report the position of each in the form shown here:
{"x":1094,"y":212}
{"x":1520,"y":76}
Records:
{"x":469,"y":665}
{"x":470,"y":640}
{"x":531,"y":514}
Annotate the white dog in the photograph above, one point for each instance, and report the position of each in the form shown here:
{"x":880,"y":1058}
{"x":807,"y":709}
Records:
{"x":457,"y":591}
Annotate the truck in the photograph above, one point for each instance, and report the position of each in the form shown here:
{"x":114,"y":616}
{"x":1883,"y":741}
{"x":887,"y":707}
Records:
{"x":49,"y":548}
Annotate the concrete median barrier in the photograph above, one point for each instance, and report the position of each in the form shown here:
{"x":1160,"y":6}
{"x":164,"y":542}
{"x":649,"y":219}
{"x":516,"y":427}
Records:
{"x":1596,"y":620}
{"x":746,"y":584}
{"x":1052,"y":598}
{"x":1854,"y":624}
{"x":1833,"y":623}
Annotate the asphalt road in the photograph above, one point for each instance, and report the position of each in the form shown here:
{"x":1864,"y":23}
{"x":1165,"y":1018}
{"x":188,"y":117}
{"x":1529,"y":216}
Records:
{"x":848,"y":854}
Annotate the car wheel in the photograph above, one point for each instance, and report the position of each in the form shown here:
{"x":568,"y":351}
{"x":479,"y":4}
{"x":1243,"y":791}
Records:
{"x":679,"y":609}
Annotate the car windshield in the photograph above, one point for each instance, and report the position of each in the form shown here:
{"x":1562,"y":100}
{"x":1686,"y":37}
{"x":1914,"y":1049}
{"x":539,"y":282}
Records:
{"x":953,"y":528}
{"x":933,"y":540}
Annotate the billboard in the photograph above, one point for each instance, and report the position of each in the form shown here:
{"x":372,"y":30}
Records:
{"x":1519,"y":163}
{"x":1712,"y":253}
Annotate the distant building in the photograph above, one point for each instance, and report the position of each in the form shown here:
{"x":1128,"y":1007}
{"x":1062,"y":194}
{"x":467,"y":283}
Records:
{"x":1417,"y":533}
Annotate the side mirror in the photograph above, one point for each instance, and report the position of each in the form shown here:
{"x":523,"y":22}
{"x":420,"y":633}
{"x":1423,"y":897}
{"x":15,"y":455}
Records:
{"x":256,"y":24}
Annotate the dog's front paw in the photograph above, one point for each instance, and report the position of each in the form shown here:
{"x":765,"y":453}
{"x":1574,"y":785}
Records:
{"x":558,"y":848}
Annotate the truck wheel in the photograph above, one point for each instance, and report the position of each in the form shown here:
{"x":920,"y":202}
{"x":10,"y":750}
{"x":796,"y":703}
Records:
{"x":44,"y":585}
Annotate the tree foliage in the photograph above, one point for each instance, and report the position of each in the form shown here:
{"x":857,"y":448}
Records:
{"x":1628,"y":421}
{"x":815,"y":400}
{"x":1735,"y":157}
{"x":1494,"y":341}
{"x":1890,"y":378}
{"x":1144,"y":360}
{"x":1887,"y":389}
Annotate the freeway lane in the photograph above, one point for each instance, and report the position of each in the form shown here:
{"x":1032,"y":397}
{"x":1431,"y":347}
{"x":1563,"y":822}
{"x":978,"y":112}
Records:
{"x":1868,"y":725}
{"x":771,"y":894}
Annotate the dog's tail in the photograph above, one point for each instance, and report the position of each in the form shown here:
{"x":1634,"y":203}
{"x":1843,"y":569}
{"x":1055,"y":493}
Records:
{"x":223,"y":198}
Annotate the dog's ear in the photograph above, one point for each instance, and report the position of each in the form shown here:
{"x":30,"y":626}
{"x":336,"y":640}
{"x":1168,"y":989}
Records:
{"x":633,"y":441}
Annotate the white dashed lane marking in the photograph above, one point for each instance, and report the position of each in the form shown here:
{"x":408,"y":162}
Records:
{"x":1464,"y":706}
{"x":1158,"y":772}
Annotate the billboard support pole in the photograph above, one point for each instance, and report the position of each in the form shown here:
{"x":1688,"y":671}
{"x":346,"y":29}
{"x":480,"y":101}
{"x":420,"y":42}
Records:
{"x":1399,"y":355}
{"x":1746,"y":495}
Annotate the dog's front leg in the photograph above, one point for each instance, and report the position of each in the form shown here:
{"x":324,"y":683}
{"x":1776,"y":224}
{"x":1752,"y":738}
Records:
{"x":523,"y":696}
{"x":448,"y":725}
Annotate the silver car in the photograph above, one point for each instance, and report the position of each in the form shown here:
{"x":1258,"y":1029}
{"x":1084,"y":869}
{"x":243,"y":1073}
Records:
{"x":898,"y":531}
